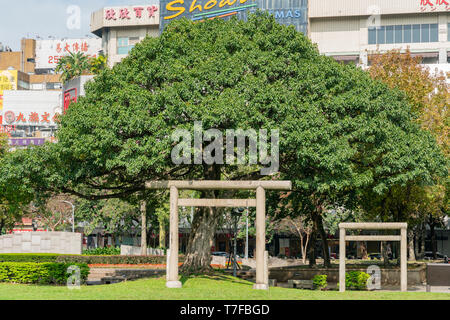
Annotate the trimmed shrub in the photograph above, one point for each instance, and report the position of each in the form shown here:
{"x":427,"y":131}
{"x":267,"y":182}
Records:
{"x":111,"y":251}
{"x":356,"y":280}
{"x":29,"y":257}
{"x":39,"y":273}
{"x":116,"y":259}
{"x":320,"y":281}
{"x":88,"y":259}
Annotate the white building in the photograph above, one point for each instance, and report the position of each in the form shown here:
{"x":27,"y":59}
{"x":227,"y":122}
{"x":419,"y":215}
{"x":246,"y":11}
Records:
{"x":121,"y":28}
{"x":350,"y":30}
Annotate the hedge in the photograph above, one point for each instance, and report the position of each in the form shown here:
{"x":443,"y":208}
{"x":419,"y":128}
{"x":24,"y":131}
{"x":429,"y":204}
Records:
{"x":116,"y":259}
{"x":29,"y":257}
{"x":102,"y":251}
{"x":85,"y":259}
{"x":40,"y":273}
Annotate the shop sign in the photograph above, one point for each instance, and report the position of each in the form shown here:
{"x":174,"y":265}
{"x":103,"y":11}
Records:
{"x":49,"y":52}
{"x":8,"y":81}
{"x":24,"y":142}
{"x":434,"y":5}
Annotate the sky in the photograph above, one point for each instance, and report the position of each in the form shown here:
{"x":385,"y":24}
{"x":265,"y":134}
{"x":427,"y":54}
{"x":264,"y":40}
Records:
{"x":49,"y":18}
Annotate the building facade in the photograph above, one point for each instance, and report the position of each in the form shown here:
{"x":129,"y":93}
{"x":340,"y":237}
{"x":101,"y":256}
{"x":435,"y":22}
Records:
{"x":352,"y":30}
{"x":121,"y":28}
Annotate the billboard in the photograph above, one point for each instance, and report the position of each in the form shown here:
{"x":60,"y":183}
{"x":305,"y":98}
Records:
{"x":8,"y":81}
{"x":31,"y":108}
{"x":49,"y":52}
{"x":287,"y":12}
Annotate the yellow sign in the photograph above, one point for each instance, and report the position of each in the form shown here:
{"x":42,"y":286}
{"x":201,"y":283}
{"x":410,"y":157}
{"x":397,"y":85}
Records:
{"x":176,"y":8}
{"x":8,"y":81}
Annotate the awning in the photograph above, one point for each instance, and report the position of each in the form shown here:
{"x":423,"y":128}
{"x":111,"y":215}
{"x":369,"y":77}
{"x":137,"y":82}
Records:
{"x":346,"y":58}
{"x":425,"y":54}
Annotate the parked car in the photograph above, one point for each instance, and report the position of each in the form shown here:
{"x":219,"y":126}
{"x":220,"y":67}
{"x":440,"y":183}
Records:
{"x":429,"y":255}
{"x":375,"y":256}
{"x":220,"y":253}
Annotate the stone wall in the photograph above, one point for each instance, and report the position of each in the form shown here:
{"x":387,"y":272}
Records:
{"x":41,"y":242}
{"x":136,"y":251}
{"x":388,"y":276}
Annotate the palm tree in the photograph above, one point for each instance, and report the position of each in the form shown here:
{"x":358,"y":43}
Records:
{"x":73,"y":65}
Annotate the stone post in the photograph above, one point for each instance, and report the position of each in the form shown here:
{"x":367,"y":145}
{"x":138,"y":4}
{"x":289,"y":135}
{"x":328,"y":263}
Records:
{"x":342,"y":259}
{"x":403,"y":261}
{"x":172,"y":281}
{"x":260,"y":239}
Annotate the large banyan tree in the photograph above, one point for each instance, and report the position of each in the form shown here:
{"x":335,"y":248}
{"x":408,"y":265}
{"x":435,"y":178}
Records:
{"x":340,"y":131}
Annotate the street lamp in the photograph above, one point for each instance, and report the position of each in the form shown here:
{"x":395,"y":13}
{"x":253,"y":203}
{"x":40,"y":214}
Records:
{"x":236,"y":213}
{"x":246,"y":237}
{"x":73,"y":214}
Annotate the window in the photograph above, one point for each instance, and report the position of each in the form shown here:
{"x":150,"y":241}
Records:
{"x":416,"y":33}
{"x":381,"y":32}
{"x":405,"y":34}
{"x":407,"y":38}
{"x":434,"y":32}
{"x":372,"y":36}
{"x":425,"y":28}
{"x":390,"y":34}
{"x":398,"y":34}
{"x":124,"y":45}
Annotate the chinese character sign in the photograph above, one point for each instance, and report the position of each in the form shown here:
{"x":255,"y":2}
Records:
{"x":8,"y":81}
{"x":434,"y":5}
{"x":32,"y":108}
{"x":138,"y":15}
{"x":49,"y":52}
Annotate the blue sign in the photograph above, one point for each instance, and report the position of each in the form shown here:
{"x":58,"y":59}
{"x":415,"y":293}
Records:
{"x":292,"y":12}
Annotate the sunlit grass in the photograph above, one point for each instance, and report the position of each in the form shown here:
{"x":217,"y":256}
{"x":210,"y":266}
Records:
{"x":217,"y":287}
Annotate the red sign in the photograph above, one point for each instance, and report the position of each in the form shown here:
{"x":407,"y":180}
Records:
{"x":432,"y":5}
{"x":124,"y":13}
{"x":69,"y":97}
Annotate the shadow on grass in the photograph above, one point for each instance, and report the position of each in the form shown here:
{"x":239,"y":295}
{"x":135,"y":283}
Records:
{"x":216,"y":276}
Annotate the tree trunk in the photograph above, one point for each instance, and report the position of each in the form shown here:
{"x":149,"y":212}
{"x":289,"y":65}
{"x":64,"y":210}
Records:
{"x":384,"y":253}
{"x":203,"y":229}
{"x":323,"y":236}
{"x":364,"y":255}
{"x":198,"y":256}
{"x":143,"y":227}
{"x":162,"y":234}
{"x":422,"y":241}
{"x":433,"y":239}
{"x":411,"y":253}
{"x":312,"y":249}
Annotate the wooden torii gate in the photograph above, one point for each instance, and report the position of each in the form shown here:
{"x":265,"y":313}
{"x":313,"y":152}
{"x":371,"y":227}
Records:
{"x":259,"y":203}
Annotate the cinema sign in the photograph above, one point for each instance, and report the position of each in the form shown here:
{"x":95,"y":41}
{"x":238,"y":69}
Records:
{"x":198,"y":10}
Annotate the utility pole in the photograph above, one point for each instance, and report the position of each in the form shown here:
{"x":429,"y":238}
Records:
{"x":73,"y":214}
{"x":246,"y":238}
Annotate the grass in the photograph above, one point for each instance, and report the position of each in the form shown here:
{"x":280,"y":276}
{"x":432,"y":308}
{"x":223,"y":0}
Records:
{"x":217,"y":287}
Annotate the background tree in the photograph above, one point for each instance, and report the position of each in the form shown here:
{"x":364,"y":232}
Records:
{"x":52,"y":213}
{"x":73,"y":66}
{"x":429,"y":96}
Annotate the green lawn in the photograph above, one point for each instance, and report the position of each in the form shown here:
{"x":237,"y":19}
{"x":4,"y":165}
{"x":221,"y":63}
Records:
{"x":195,"y":288}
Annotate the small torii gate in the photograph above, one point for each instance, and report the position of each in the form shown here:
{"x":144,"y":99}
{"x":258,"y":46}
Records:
{"x":374,"y":226}
{"x":259,"y":203}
